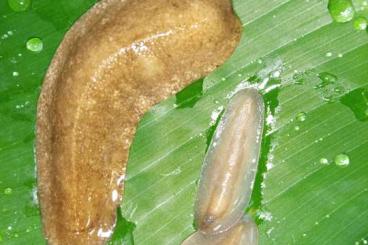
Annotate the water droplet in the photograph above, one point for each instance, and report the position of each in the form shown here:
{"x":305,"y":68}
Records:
{"x":327,"y":78}
{"x":341,"y":10}
{"x":328,"y":54}
{"x":269,"y":166}
{"x":296,"y":128}
{"x":342,"y":160}
{"x":360,"y":24}
{"x":276,"y":74}
{"x":328,"y":87}
{"x":266,"y":216}
{"x":324,"y":161}
{"x":301,"y":116}
{"x":19,"y":5}
{"x":8,"y":191}
{"x":15,"y":73}
{"x":34,"y":44}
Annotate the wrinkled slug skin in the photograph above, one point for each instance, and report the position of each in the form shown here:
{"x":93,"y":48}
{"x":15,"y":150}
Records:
{"x":231,"y":163}
{"x":243,"y":233}
{"x":117,"y":61}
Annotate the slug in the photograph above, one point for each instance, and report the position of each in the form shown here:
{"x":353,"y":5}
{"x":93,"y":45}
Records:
{"x":117,"y":61}
{"x":230,"y":165}
{"x":245,"y":232}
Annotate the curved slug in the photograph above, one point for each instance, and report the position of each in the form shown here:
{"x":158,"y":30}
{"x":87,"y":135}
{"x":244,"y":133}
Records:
{"x":245,"y":232}
{"x":230,"y":165}
{"x":118,"y":60}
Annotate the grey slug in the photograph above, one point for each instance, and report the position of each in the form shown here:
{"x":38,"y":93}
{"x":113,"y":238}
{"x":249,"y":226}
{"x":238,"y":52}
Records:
{"x":228,"y":174}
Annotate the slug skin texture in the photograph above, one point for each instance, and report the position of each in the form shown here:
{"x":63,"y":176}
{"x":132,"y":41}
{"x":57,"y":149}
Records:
{"x":118,"y":60}
{"x":231,"y":163}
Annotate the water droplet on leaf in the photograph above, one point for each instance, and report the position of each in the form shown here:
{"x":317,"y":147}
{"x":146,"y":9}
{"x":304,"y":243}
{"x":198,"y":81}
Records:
{"x":327,"y":78}
{"x":301,"y":116}
{"x":328,"y":54}
{"x":8,"y":191}
{"x":324,"y":161}
{"x":34,"y":44}
{"x":342,"y":160}
{"x":19,"y":5}
{"x":341,"y":10}
{"x":360,"y":24}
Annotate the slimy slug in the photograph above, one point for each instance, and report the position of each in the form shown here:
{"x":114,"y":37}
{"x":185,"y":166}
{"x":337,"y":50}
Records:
{"x":244,"y":232}
{"x":118,"y":60}
{"x":230,"y":165}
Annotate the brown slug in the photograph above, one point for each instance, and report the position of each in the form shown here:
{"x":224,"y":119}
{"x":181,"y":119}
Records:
{"x":117,"y":60}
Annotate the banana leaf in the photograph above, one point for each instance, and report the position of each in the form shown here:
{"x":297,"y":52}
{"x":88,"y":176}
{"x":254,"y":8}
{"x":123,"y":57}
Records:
{"x":312,"y":184}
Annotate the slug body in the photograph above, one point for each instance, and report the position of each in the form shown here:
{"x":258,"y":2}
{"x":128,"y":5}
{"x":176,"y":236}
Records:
{"x":230,"y":165}
{"x":244,"y":232}
{"x":117,"y":61}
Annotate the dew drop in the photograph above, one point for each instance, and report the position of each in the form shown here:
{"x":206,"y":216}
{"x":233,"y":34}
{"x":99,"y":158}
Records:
{"x":34,"y":44}
{"x":8,"y":191}
{"x":327,"y":78}
{"x":19,"y":5}
{"x":266,"y":216}
{"x":360,"y":24}
{"x":324,"y":161}
{"x":342,"y":160}
{"x":341,"y":10}
{"x":296,"y":128}
{"x":301,"y":116}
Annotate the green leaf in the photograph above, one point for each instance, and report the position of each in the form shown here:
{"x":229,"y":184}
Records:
{"x":298,"y":199}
